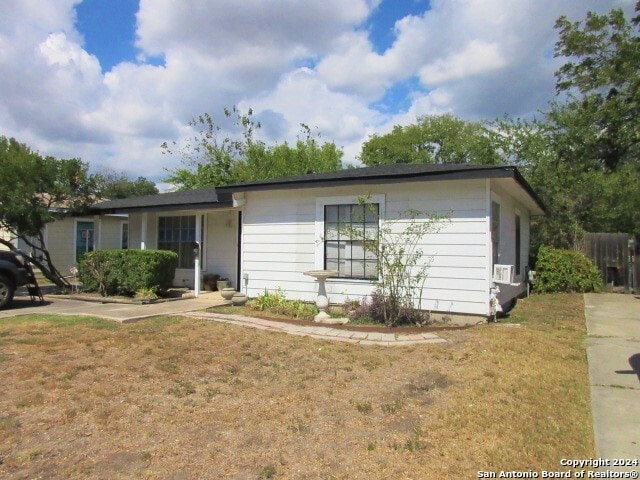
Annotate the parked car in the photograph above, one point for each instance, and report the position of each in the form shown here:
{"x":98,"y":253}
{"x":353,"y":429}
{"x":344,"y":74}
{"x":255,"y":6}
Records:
{"x":13,"y":274}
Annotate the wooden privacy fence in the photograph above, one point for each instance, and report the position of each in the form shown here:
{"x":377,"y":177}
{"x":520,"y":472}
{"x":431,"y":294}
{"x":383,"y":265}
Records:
{"x":615,"y":256}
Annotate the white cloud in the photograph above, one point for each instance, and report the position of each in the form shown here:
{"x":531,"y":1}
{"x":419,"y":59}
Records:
{"x":228,"y":27}
{"x":474,"y":58}
{"x":302,"y":97}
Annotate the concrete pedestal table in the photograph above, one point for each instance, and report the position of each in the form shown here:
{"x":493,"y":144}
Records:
{"x":322,"y":302}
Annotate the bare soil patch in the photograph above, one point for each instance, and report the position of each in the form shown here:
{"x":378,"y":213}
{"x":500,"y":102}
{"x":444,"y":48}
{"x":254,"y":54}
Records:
{"x":179,"y":398}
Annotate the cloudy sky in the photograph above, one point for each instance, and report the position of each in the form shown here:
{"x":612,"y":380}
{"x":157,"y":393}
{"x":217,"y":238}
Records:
{"x":109,"y":81}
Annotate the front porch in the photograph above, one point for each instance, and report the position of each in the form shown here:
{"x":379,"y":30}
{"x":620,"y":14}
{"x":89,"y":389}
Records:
{"x":214,"y":233}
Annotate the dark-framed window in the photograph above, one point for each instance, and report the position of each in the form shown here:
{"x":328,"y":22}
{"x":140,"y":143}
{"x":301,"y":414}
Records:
{"x":178,"y":234}
{"x":124,"y":237}
{"x":346,"y":227}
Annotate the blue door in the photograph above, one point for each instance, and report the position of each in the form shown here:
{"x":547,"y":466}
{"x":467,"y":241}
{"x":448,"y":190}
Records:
{"x":84,"y":239}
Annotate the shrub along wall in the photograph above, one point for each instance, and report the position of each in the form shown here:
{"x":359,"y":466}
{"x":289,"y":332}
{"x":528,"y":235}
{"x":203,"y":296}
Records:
{"x":124,"y":272}
{"x":565,"y":271}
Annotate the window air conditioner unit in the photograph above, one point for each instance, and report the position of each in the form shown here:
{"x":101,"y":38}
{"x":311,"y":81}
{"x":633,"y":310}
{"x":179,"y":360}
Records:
{"x":503,"y":273}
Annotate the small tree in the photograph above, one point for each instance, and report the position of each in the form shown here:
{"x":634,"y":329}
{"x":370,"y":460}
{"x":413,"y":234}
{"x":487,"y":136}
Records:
{"x":212,"y":158}
{"x":36,"y":190}
{"x":402,"y":265}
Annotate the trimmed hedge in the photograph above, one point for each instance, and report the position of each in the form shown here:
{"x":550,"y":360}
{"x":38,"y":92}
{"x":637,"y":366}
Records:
{"x":124,"y":272}
{"x":565,"y":271}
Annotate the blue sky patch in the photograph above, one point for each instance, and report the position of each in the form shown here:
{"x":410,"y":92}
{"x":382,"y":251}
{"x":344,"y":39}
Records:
{"x":398,"y":97}
{"x":109,"y":29}
{"x":380,"y":24}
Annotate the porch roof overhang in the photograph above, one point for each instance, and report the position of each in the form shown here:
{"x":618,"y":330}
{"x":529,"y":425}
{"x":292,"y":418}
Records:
{"x":199,"y":199}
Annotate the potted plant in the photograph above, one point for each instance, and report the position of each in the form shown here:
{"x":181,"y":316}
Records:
{"x":210,"y":282}
{"x":223,"y":283}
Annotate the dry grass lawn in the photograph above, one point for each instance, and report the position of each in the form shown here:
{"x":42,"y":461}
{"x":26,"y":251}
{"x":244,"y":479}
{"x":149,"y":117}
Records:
{"x":177,"y":398}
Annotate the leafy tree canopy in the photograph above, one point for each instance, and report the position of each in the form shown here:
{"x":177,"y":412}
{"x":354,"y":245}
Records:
{"x":600,"y":121}
{"x":210,"y":159}
{"x":433,"y":139}
{"x":582,"y":158}
{"x":35,"y":190}
{"x":112,"y":185}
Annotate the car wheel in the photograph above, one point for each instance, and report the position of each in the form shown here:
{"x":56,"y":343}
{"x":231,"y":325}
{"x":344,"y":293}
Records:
{"x":6,"y":291}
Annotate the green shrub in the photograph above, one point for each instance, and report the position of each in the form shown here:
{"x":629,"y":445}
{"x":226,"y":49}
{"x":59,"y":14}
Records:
{"x":376,"y":310}
{"x":276,"y":302}
{"x":124,"y":272}
{"x":565,"y":271}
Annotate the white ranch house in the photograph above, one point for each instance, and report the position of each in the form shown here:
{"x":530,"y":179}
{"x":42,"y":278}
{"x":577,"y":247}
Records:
{"x":263,"y":235}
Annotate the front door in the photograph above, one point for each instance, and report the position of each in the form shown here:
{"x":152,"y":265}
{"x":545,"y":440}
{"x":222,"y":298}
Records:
{"x":84,"y":239}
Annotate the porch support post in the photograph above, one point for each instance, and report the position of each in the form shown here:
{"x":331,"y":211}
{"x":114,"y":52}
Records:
{"x":196,"y":267}
{"x":143,"y":232}
{"x":97,"y":241}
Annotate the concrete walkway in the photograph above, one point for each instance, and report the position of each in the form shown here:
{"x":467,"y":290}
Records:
{"x":194,"y":307}
{"x":119,"y":312}
{"x":613,"y":329}
{"x":322,"y":332}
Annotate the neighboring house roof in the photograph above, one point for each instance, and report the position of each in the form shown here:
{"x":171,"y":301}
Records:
{"x":61,"y":206}
{"x":182,"y":200}
{"x":380,"y":174}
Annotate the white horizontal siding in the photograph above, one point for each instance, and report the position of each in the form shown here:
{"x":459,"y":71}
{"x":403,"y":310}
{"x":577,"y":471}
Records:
{"x":220,"y":244}
{"x":278,"y":258}
{"x":276,"y":237}
{"x":111,"y":232}
{"x":302,"y":228}
{"x":253,"y":246}
{"x":280,"y":242}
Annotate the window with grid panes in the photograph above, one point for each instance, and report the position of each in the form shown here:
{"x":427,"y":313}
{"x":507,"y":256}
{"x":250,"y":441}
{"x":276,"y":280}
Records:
{"x":343,"y":253}
{"x":177,"y":234}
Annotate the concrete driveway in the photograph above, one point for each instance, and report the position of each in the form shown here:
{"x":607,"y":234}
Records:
{"x":119,"y":312}
{"x":613,"y":329}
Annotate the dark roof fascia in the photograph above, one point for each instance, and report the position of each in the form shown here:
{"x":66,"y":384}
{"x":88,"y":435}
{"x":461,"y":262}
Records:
{"x":162,"y":208}
{"x":473,"y":173}
{"x":163,"y":202}
{"x":335,"y":178}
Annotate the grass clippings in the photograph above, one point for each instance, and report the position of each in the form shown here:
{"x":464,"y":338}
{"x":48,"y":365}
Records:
{"x":180,"y":398}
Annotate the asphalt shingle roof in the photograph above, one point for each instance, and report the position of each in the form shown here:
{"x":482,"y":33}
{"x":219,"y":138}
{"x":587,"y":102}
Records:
{"x":378,"y":172}
{"x":222,"y":196}
{"x":204,"y":197}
